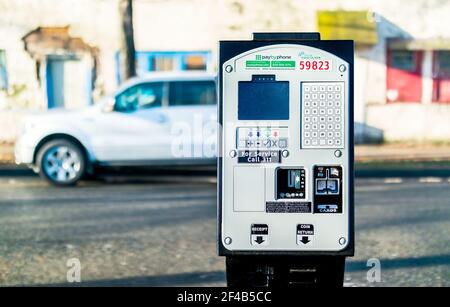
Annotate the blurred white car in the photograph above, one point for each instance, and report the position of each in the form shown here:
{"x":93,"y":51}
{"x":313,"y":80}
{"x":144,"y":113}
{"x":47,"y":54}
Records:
{"x":159,"y":119}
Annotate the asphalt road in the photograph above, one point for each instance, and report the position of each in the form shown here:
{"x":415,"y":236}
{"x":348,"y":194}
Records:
{"x":162,"y":232}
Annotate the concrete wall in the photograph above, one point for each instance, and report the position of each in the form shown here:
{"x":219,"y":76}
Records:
{"x":11,"y":123}
{"x":411,"y":121}
{"x":95,"y":21}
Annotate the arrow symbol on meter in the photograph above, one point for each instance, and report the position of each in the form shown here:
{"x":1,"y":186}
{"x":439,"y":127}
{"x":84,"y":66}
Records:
{"x":259,"y":239}
{"x":305,"y":240}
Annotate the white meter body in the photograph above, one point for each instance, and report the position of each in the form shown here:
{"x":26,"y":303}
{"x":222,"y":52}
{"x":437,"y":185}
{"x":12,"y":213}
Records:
{"x":286,"y":146}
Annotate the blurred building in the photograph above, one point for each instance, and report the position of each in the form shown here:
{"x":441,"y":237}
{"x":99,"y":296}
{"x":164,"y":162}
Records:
{"x":64,"y":53}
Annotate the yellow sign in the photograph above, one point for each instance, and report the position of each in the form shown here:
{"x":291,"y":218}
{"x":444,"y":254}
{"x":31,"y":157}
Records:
{"x":360,"y":26}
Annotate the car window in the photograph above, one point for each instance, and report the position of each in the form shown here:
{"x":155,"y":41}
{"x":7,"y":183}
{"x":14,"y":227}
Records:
{"x":138,"y":97}
{"x":187,"y":93}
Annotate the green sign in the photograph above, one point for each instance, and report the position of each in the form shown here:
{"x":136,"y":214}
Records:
{"x":286,"y":64}
{"x":267,"y":64}
{"x":257,"y":63}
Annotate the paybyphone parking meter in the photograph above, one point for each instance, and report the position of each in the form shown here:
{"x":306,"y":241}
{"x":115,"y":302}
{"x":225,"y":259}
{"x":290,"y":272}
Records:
{"x":285,"y":173}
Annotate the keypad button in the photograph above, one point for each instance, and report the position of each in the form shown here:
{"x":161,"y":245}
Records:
{"x":322,"y":114}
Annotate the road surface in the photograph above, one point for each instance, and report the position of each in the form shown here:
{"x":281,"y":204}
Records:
{"x":162,"y":232}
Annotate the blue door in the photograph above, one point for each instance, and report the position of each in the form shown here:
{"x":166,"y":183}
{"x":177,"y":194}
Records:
{"x":55,"y":83}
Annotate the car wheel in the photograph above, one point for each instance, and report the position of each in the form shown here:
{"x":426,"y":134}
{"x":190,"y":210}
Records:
{"x":61,"y":162}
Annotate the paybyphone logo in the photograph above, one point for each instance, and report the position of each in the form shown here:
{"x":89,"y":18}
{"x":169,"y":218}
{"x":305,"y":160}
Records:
{"x":260,"y":57}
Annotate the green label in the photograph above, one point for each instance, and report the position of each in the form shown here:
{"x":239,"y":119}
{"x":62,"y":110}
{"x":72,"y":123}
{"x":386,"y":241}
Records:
{"x":287,"y":64}
{"x":257,"y":63}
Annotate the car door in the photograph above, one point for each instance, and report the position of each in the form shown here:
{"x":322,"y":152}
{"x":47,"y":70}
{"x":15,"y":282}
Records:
{"x":137,"y":130}
{"x":192,"y":111}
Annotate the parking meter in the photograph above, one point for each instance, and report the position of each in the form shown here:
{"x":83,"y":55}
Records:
{"x":285,"y":172}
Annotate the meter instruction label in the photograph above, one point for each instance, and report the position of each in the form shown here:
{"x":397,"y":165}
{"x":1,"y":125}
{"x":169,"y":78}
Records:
{"x":288,"y":207}
{"x":305,"y":233}
{"x":259,"y":156}
{"x":259,"y":234}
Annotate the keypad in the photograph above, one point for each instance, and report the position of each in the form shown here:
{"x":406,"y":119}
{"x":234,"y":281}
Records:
{"x":322,"y":114}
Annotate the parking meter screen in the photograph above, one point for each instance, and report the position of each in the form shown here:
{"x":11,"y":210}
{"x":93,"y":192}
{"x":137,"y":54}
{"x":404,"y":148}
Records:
{"x":263,"y":98}
{"x":290,"y":183}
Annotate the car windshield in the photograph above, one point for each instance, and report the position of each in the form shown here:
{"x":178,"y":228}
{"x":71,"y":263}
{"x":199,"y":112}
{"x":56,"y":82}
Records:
{"x":141,"y":96}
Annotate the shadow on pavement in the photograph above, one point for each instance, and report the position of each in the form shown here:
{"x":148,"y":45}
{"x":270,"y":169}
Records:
{"x":181,"y":279}
{"x":15,"y":171}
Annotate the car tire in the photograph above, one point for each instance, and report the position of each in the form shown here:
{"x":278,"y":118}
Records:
{"x":61,"y":162}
